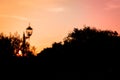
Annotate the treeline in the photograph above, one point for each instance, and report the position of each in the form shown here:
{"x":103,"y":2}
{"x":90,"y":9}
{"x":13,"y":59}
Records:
{"x":86,"y":50}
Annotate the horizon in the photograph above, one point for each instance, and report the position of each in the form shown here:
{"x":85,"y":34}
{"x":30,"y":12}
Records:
{"x":52,"y":20}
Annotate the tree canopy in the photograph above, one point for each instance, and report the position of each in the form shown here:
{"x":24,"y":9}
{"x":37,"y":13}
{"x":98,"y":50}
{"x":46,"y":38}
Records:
{"x":10,"y":47}
{"x":84,"y":49}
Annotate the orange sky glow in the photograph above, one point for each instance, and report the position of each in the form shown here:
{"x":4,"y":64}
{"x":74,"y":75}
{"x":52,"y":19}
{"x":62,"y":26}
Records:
{"x":52,"y":20}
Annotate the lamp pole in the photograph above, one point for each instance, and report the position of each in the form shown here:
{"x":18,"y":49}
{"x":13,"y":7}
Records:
{"x":23,"y":46}
{"x":29,"y":31}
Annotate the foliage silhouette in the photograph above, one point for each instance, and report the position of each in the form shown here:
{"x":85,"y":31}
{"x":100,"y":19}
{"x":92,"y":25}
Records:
{"x":9,"y":48}
{"x":86,"y":49}
{"x":83,"y":50}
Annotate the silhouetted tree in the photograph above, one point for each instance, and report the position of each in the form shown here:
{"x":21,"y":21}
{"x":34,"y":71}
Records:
{"x":86,"y":49}
{"x":10,"y":46}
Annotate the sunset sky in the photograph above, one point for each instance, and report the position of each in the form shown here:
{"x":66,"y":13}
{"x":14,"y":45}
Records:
{"x":52,"y":20}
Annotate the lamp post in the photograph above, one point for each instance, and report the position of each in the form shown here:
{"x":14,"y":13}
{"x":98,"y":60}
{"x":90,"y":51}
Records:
{"x":29,"y":32}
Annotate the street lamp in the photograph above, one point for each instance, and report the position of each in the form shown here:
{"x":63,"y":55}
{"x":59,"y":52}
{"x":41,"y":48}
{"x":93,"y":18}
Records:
{"x":29,"y":32}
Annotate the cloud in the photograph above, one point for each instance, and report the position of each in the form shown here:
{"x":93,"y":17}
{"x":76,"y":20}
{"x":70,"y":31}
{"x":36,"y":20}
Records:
{"x":15,"y":17}
{"x":57,"y":9}
{"x":19,"y":17}
{"x":112,"y":4}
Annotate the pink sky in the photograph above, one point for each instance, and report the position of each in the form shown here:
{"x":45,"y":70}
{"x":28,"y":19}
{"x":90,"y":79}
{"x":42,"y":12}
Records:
{"x":52,"y":20}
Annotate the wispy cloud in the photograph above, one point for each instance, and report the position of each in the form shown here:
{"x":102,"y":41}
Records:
{"x":56,"y":9}
{"x":15,"y":17}
{"x":112,"y":4}
{"x":19,"y":17}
